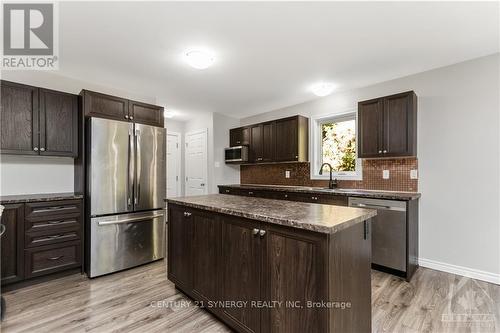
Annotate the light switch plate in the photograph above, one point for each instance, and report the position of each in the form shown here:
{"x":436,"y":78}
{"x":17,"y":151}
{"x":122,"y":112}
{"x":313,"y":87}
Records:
{"x":287,"y":173}
{"x":385,"y":174}
{"x":413,"y":174}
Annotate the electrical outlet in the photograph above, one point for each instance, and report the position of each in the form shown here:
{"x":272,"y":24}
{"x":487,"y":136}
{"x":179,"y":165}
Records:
{"x":413,"y":174}
{"x":385,"y":174}
{"x":287,"y":173}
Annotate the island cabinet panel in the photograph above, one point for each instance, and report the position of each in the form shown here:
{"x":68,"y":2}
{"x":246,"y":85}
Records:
{"x":294,"y":271}
{"x":206,"y":238}
{"x":241,"y":269}
{"x":180,"y":247}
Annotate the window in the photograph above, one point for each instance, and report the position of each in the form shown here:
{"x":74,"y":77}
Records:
{"x":334,"y":142}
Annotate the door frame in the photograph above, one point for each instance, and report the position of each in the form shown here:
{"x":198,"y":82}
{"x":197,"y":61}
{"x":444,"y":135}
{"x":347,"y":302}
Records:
{"x":179,"y":159}
{"x":200,"y":131}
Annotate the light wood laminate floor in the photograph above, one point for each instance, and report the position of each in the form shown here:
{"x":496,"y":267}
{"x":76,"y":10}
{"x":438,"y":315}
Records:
{"x":128,"y":302}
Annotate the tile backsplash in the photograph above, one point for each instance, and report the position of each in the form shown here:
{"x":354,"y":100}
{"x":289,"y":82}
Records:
{"x":274,"y":174}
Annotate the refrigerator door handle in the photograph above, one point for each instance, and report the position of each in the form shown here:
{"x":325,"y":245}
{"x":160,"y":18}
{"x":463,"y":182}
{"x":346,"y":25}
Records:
{"x":137,"y":197}
{"x":131,"y":165}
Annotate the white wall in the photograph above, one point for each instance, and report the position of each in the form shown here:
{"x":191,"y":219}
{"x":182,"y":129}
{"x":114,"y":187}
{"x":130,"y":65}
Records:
{"x":458,"y":153}
{"x":223,"y":173}
{"x":23,"y":174}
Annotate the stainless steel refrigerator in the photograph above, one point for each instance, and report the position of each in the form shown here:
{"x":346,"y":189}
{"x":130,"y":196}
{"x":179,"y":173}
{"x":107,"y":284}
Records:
{"x":126,"y":190}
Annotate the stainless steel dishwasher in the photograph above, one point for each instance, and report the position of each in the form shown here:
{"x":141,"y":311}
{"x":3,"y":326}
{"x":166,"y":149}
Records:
{"x":388,"y":231}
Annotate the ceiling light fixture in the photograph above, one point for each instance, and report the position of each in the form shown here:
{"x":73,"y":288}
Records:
{"x":168,"y":114}
{"x":199,"y":59}
{"x":323,"y":89}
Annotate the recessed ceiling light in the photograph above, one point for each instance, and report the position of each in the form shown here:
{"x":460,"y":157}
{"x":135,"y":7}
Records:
{"x":199,"y":59}
{"x":168,"y":114}
{"x":323,"y":88}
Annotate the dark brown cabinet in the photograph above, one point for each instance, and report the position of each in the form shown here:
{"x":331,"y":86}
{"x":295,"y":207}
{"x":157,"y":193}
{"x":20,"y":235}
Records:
{"x":240,"y":262}
{"x":239,"y":136}
{"x":258,"y":265}
{"x":387,"y":126}
{"x":58,"y":123}
{"x":37,"y":121}
{"x":282,"y":140}
{"x":19,"y":113}
{"x":146,"y":113}
{"x":41,"y":238}
{"x":117,"y":108}
{"x":13,"y":243}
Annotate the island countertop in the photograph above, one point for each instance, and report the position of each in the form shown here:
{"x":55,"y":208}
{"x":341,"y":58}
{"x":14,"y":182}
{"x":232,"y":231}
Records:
{"x":327,"y":219}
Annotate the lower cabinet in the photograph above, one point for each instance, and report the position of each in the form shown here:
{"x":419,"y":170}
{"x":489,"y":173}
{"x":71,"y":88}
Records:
{"x":264,"y":277}
{"x":41,"y":238}
{"x":12,"y":243}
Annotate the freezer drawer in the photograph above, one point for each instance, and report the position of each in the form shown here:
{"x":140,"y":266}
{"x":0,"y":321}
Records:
{"x":122,"y":241}
{"x":388,"y":231}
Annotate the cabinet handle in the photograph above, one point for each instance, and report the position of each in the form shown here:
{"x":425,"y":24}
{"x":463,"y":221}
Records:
{"x":187,"y":214}
{"x":314,"y":198}
{"x":262,"y":233}
{"x":55,"y":258}
{"x":296,"y":156}
{"x":385,"y":151}
{"x":227,"y":191}
{"x":259,"y":159}
{"x":126,"y":116}
{"x":35,"y":148}
{"x":131,"y":117}
{"x":255,"y":231}
{"x":250,"y":193}
{"x":42,"y":149}
{"x":286,"y":195}
{"x":238,"y":141}
{"x":380,"y":151}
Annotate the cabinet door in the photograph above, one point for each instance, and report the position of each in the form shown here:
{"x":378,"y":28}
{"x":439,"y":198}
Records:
{"x":146,"y":113}
{"x":19,"y":114}
{"x":105,"y":106}
{"x":241,"y":272}
{"x":256,"y":143}
{"x":180,"y":263}
{"x":294,"y":271}
{"x":206,"y":250}
{"x":287,"y":139}
{"x":268,"y":142}
{"x":399,"y":125}
{"x":12,"y":243}
{"x":370,"y":132}
{"x":58,"y":123}
{"x":235,"y":137}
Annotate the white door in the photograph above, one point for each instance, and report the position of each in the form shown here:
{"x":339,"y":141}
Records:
{"x":196,"y":164}
{"x":173,"y":165}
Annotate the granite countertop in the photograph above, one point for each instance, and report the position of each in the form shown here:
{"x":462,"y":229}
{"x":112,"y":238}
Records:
{"x":20,"y":198}
{"x":327,"y":219}
{"x":391,"y":195}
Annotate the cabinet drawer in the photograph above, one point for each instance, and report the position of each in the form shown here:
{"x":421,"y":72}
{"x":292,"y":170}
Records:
{"x":43,"y":224}
{"x":33,"y":239}
{"x":52,"y":258}
{"x":52,"y":208}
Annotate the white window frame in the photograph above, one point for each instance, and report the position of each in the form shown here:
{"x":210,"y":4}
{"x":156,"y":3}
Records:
{"x":315,"y":141}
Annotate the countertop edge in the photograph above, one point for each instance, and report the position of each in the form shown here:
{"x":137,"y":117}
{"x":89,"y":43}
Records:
{"x":409,"y":196}
{"x":27,"y":198}
{"x":287,"y":223}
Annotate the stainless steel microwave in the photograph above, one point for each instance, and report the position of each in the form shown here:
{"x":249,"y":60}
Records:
{"x":238,"y":154}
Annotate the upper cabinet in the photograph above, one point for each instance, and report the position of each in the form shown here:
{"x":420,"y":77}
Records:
{"x":37,"y":121}
{"x":117,"y":108}
{"x":281,"y":140}
{"x":387,"y":126}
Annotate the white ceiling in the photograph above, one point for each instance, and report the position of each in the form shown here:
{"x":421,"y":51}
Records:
{"x":267,"y":54}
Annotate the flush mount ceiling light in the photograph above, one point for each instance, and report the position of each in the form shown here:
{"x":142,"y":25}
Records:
{"x":322,"y":88}
{"x":168,"y":114}
{"x":199,"y":59}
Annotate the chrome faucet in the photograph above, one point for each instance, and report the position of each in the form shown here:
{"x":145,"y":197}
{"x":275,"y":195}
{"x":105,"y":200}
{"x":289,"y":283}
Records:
{"x":333,"y":183}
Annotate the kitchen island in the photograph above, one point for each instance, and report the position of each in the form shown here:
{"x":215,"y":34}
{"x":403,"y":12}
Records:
{"x":263,"y":265}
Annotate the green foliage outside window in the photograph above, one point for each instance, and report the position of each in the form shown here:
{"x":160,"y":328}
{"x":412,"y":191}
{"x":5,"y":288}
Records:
{"x":339,"y":144}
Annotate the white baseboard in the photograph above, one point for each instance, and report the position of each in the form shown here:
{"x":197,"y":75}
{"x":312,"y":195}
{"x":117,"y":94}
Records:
{"x":460,"y":270}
